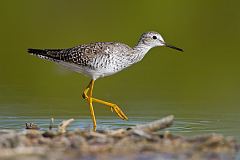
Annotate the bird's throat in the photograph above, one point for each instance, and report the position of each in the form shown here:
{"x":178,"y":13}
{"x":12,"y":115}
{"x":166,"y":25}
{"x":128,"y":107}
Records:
{"x":140,"y":50}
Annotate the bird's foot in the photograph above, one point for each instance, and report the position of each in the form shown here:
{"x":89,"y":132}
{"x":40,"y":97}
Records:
{"x":114,"y":107}
{"x":119,"y":112}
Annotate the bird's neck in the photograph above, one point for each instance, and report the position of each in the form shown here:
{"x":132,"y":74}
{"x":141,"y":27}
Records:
{"x":140,"y":50}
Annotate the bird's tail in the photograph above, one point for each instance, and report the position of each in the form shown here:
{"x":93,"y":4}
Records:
{"x":49,"y":54}
{"x":37,"y":51}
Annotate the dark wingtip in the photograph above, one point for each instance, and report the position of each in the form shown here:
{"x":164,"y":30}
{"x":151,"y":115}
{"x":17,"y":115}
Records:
{"x":30,"y":50}
{"x":36,"y":51}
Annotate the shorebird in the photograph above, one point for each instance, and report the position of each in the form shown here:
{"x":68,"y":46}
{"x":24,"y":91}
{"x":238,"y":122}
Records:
{"x":100,"y":59}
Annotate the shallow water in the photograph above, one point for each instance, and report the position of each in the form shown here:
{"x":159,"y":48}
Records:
{"x":196,"y":123}
{"x":181,"y":126}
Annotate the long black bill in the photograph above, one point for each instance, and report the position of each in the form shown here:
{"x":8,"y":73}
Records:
{"x":173,"y":47}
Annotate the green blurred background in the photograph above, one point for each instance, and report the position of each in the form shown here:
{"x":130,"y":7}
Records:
{"x":200,"y":87}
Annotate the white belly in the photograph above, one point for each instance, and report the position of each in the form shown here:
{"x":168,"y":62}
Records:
{"x":94,"y":74}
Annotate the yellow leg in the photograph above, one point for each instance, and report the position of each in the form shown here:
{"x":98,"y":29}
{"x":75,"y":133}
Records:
{"x":113,"y":106}
{"x":90,"y":88}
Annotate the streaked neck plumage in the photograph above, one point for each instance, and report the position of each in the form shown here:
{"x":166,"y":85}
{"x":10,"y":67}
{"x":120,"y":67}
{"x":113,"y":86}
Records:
{"x":139,"y":51}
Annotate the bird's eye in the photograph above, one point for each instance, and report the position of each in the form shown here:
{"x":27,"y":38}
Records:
{"x":154,"y":37}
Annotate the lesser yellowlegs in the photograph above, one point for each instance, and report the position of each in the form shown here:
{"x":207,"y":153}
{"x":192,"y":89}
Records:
{"x":101,"y":59}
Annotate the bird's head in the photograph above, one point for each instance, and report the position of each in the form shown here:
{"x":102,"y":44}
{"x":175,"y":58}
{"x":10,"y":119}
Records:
{"x":154,"y":39}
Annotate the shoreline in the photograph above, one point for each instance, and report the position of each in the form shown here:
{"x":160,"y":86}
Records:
{"x":147,"y":141}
